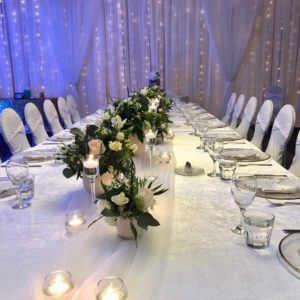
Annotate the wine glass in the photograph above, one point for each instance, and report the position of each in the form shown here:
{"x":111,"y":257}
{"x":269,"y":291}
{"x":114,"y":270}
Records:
{"x":194,"y":121}
{"x":215,"y":147}
{"x":243,"y":189}
{"x":201,"y":128}
{"x":17,"y":171}
{"x":151,"y":141}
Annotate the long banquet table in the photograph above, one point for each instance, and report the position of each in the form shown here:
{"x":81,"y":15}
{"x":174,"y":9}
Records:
{"x":192,"y":255}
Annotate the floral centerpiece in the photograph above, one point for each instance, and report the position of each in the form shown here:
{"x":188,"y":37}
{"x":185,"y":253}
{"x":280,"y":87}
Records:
{"x":126,"y":203}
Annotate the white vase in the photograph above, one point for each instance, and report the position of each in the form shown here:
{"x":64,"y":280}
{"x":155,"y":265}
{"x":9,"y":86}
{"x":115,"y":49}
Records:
{"x":105,"y":178}
{"x":142,"y":146}
{"x":124,"y":230}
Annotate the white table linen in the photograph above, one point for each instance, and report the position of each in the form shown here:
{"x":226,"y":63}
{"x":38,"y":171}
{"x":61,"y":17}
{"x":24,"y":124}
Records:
{"x":192,"y":255}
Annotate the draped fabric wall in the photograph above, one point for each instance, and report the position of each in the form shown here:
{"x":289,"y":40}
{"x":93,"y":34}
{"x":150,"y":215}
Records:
{"x":99,"y":47}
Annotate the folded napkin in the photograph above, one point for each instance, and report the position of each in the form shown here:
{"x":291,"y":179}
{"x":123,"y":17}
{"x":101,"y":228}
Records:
{"x":284,"y":187}
{"x":241,"y":153}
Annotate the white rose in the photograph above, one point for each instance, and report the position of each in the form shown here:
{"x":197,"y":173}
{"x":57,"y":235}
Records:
{"x":148,"y":197}
{"x":144,"y":91}
{"x":102,"y":204}
{"x":120,"y":199}
{"x":106,"y":116}
{"x":134,"y":148}
{"x":163,"y":126}
{"x":115,"y":146}
{"x":117,"y":122}
{"x":120,"y":136}
{"x":112,"y":221}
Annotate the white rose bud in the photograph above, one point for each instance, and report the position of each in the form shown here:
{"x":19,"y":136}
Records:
{"x":134,"y":148}
{"x":144,"y":91}
{"x":148,"y":197}
{"x":115,"y":146}
{"x":120,"y":199}
{"x":106,"y":116}
{"x":111,"y":221}
{"x":120,"y":136}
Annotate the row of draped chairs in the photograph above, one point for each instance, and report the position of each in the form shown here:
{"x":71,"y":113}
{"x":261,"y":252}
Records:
{"x":241,"y":115}
{"x":13,"y":129}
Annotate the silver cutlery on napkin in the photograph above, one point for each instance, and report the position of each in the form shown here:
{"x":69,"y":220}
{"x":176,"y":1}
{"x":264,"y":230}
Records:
{"x":247,"y":165}
{"x":30,"y":166}
{"x":290,"y":231}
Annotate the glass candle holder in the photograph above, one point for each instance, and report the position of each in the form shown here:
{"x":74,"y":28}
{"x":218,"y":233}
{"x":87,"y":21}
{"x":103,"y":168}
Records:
{"x":91,"y":171}
{"x":111,"y":288}
{"x":74,"y":221}
{"x":164,"y":157}
{"x":58,"y":283}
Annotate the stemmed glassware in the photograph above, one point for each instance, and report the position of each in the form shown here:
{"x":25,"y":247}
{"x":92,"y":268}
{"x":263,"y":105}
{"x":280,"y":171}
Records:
{"x":215,"y":147}
{"x":201,"y":128}
{"x":194,"y":121}
{"x":243,"y":189}
{"x":91,"y":171}
{"x":151,"y":141}
{"x":17,"y":171}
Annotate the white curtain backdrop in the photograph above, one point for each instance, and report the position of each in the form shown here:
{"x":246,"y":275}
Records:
{"x":99,"y":48}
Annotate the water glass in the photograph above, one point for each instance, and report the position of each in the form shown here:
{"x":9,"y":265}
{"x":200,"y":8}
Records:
{"x":17,"y":171}
{"x":258,"y":228}
{"x":27,"y":188}
{"x":227,"y":168}
{"x":243,"y":190}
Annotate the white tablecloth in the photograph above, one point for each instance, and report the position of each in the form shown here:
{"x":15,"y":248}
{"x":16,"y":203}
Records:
{"x":192,"y":255}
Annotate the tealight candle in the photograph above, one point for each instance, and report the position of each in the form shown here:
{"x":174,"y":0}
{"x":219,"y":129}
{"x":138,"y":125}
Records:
{"x":111,"y":288}
{"x":164,"y":157}
{"x":150,"y":135}
{"x":58,"y":283}
{"x":74,"y":221}
{"x":91,"y":162}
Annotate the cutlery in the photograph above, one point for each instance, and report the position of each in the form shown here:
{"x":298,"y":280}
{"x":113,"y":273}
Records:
{"x":52,"y":143}
{"x":234,"y":142}
{"x":30,"y":166}
{"x":290,"y":231}
{"x":246,"y":165}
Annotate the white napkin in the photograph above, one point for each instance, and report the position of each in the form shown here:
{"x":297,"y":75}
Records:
{"x":283,"y":187}
{"x":240,"y":153}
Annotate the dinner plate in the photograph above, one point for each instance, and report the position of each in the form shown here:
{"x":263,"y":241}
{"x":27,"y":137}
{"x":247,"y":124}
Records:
{"x":289,"y":253}
{"x":244,"y":155}
{"x":225,"y":136}
{"x":278,"y":187}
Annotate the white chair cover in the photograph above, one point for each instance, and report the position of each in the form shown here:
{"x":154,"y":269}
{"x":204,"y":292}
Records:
{"x":229,"y":108}
{"x":248,"y":117}
{"x":64,"y":112}
{"x":295,"y":167}
{"x":281,"y":132}
{"x":72,"y":107}
{"x":262,"y":124}
{"x":13,"y":131}
{"x":52,"y":116}
{"x":35,"y":123}
{"x":237,"y":111}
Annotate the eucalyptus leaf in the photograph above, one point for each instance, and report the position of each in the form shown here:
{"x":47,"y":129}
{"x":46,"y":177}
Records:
{"x":146,"y":219}
{"x":69,"y":172}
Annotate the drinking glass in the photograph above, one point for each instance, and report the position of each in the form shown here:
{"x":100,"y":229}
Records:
{"x":243,"y":190}
{"x":227,"y":168}
{"x":258,"y":228}
{"x":91,"y":171}
{"x":17,"y":171}
{"x":201,"y":128}
{"x":151,"y":141}
{"x":194,"y":121}
{"x":215,"y":147}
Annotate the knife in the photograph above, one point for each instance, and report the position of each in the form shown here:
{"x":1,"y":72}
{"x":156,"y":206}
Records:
{"x":290,"y":231}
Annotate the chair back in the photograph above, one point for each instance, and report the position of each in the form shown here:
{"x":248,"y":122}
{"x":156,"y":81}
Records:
{"x":248,"y":116}
{"x":237,"y":111}
{"x":262,"y":124}
{"x":13,"y":131}
{"x":281,"y":132}
{"x":295,"y":167}
{"x":52,"y":116}
{"x":64,"y":112}
{"x":229,"y":108}
{"x":72,"y":107}
{"x":35,"y":123}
